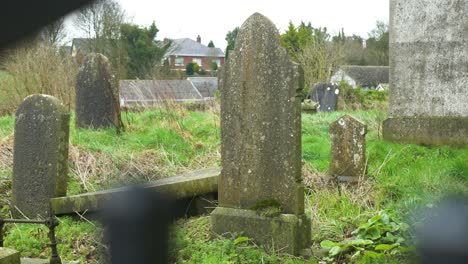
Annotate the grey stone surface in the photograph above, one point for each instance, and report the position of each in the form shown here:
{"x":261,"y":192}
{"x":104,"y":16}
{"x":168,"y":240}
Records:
{"x":428,"y":131}
{"x":97,"y":96}
{"x":260,"y":125}
{"x":348,"y":148}
{"x":326,"y":95}
{"x":288,"y":233}
{"x":187,"y":185}
{"x":428,"y":61}
{"x":40,"y":160}
{"x":260,"y":121}
{"x":9,"y":256}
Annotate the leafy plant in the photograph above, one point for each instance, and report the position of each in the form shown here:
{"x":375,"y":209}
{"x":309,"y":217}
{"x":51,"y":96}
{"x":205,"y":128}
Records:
{"x":382,"y":234}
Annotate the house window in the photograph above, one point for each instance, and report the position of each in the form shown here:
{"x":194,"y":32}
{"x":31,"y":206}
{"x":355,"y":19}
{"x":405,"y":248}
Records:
{"x":218,"y":62}
{"x":179,"y":61}
{"x":197,"y":61}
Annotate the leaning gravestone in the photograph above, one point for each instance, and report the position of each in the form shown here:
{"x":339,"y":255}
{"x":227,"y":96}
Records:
{"x":428,"y":73}
{"x":40,"y":160}
{"x":348,"y":149}
{"x":97,"y":97}
{"x":260,"y":191}
{"x":326,"y":95}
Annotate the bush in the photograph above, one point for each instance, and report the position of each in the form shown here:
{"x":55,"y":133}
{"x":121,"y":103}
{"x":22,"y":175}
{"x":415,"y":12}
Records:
{"x":192,"y":68}
{"x":37,"y":68}
{"x":214,"y":66}
{"x":357,"y":99}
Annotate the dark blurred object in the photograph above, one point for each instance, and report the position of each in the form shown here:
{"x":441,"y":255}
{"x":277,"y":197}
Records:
{"x":137,"y":226}
{"x":443,"y":238}
{"x":21,"y":18}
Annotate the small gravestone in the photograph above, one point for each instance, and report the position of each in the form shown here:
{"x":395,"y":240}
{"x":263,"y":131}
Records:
{"x":260,"y":188}
{"x":348,"y":149}
{"x":326,"y":95}
{"x":97,"y":96}
{"x":40,"y":160}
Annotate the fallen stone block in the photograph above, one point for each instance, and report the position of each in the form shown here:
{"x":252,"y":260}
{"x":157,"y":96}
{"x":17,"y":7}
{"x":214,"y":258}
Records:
{"x":178,"y":187}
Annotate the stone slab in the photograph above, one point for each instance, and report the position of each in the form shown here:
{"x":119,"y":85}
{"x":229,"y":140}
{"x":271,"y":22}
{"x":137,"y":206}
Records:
{"x":288,"y":233}
{"x":182,"y":186}
{"x":9,"y":256}
{"x":431,"y":131}
{"x":43,"y":261}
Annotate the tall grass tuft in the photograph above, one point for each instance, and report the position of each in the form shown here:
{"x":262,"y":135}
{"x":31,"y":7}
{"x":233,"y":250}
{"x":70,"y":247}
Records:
{"x":37,"y":68}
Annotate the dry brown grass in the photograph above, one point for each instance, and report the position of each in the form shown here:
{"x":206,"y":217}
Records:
{"x":37,"y":68}
{"x":6,"y":152}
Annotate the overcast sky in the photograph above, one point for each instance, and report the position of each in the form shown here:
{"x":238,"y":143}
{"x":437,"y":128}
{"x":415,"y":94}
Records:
{"x":212,"y":19}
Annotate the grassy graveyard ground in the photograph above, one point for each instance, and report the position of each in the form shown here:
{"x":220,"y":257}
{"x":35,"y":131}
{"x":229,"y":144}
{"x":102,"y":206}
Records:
{"x":403,"y":179}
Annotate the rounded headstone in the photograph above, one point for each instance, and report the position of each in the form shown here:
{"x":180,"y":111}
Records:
{"x":40,"y":160}
{"x":261,"y":121}
{"x":97,"y":96}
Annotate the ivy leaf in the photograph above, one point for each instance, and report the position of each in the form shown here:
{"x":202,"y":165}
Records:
{"x":240,"y":240}
{"x":372,"y":233}
{"x":373,"y":254}
{"x":361,"y":242}
{"x":357,"y":254}
{"x":326,"y":244}
{"x":386,"y":247}
{"x":334,"y":251}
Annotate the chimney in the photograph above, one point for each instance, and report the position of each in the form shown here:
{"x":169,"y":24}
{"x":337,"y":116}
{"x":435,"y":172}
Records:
{"x":199,"y":39}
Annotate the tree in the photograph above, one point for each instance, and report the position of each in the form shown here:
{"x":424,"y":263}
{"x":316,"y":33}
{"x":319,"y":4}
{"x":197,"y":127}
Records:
{"x":318,"y":61}
{"x":143,"y":53}
{"x":231,"y":40}
{"x":192,"y":68}
{"x":294,"y":39}
{"x":377,"y":45}
{"x":211,"y":44}
{"x":312,"y":49}
{"x":101,"y":22}
{"x":54,"y":33}
{"x":290,"y":40}
{"x":101,"y":19}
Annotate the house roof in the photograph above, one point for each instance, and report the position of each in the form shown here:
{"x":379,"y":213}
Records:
{"x":367,"y":75}
{"x":205,"y":85}
{"x":150,"y":92}
{"x":189,"y":47}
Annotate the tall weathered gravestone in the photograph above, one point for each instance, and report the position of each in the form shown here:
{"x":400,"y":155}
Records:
{"x":348,"y":149}
{"x":40,"y":160}
{"x":428,"y":72}
{"x":97,"y":97}
{"x":260,"y":188}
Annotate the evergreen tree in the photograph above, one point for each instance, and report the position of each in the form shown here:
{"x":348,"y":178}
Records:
{"x":231,"y":40}
{"x":211,"y":44}
{"x":141,"y":48}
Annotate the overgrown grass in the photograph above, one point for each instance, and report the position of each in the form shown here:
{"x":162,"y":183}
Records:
{"x":403,"y":178}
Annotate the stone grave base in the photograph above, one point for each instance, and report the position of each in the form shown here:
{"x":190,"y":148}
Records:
{"x":287,"y":232}
{"x":429,"y":131}
{"x":9,"y":256}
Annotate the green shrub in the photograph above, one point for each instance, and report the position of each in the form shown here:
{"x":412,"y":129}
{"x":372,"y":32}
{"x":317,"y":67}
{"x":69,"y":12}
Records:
{"x":192,"y":68}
